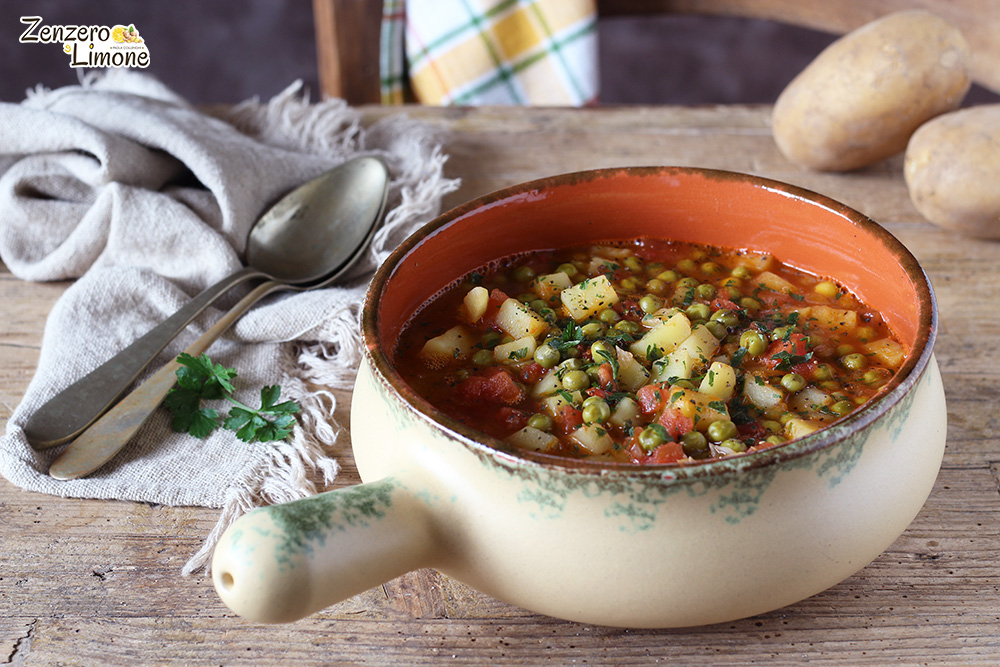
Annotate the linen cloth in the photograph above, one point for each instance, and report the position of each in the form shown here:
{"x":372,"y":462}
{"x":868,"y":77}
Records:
{"x":490,"y":52}
{"x":145,"y":200}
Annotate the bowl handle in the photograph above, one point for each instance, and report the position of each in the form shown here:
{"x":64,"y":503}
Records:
{"x":281,"y":563}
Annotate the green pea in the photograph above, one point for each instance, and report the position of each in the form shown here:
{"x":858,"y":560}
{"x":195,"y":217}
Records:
{"x":602,"y":350}
{"x":705,"y":291}
{"x":733,"y":293}
{"x":592,"y":330}
{"x":490,"y":340}
{"x":538,"y":305}
{"x":855,"y":361}
{"x":540,"y":421}
{"x":668,"y":276}
{"x":733,"y":445}
{"x":608,"y":316}
{"x":875,"y":377}
{"x":569,"y":269}
{"x":721,"y":429}
{"x":727,"y":317}
{"x":547,"y":356}
{"x":695,"y":444}
{"x":742,"y":272}
{"x":685,"y":266}
{"x":750,"y":304}
{"x":650,"y":438}
{"x":842,"y":407}
{"x":596,"y":413}
{"x":627,"y":326}
{"x":772,"y":426}
{"x":633,"y":264}
{"x":753,"y":342}
{"x":710,"y":267}
{"x":654,"y":268}
{"x":630,"y":284}
{"x":523,"y":274}
{"x":482,"y":358}
{"x":656,"y":287}
{"x":698,"y":311}
{"x":717,"y":328}
{"x":650,"y":303}
{"x":823,"y":372}
{"x":793,"y":382}
{"x":527,"y":297}
{"x":844,"y":350}
{"x":774,"y":439}
{"x":575,"y":380}
{"x":572,"y":364}
{"x":687,"y":283}
{"x":781,"y":333}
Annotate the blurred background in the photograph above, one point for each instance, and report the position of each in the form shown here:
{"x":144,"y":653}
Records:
{"x":227,"y":51}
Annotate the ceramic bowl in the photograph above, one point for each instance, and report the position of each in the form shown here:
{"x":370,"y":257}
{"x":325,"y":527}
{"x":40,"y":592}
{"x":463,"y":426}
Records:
{"x":611,"y":544}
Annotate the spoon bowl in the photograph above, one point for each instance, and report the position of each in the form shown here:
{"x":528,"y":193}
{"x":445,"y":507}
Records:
{"x":314,"y":234}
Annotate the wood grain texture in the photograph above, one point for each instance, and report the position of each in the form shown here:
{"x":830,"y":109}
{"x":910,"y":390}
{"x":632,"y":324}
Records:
{"x":98,"y":583}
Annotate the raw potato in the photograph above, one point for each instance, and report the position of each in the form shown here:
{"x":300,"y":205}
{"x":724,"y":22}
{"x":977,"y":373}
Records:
{"x":952,"y":170}
{"x":860,"y":100}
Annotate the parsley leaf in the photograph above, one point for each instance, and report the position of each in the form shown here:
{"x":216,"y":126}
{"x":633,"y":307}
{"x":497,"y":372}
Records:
{"x":199,"y":378}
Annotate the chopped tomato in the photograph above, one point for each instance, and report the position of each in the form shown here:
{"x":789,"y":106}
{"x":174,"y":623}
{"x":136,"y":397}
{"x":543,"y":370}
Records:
{"x":493,"y":385}
{"x":569,"y":419}
{"x":489,"y":318}
{"x":726,"y":304}
{"x":652,"y":397}
{"x":785,"y":352}
{"x":675,"y":423}
{"x":512,"y":417}
{"x":530,"y":373}
{"x":668,"y":452}
{"x":606,"y":377}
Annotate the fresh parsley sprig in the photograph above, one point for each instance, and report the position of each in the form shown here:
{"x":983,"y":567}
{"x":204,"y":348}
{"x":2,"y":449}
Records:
{"x":199,"y":378}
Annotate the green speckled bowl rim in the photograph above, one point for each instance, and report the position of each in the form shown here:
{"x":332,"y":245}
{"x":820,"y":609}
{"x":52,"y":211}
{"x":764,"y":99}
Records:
{"x":490,"y":448}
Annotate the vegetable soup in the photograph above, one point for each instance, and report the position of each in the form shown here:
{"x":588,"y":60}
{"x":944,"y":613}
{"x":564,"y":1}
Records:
{"x":648,"y":352}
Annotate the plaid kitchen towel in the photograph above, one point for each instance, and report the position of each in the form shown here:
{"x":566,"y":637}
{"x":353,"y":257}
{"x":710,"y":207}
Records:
{"x":483,"y":52}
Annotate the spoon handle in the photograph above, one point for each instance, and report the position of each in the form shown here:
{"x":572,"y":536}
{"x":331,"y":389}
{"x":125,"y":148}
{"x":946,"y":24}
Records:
{"x":106,"y":436}
{"x":69,"y":412}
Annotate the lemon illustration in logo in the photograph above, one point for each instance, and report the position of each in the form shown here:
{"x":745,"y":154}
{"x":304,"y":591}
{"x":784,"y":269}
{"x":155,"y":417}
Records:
{"x":118,"y":33}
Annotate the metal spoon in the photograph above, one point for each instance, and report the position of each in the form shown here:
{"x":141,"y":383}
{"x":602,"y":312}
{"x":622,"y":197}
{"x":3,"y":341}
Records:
{"x":313,"y":234}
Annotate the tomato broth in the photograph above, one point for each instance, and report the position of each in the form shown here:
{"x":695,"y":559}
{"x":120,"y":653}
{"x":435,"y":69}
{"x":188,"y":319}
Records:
{"x":646,"y":352}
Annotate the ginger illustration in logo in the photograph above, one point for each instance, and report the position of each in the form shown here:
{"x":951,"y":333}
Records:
{"x":122,"y":35}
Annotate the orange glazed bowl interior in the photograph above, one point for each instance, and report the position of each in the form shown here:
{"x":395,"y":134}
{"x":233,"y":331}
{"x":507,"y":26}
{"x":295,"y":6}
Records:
{"x":731,"y":210}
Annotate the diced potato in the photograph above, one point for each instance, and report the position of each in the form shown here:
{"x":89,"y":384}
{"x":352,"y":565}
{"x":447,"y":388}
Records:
{"x":665,"y":337}
{"x":515,"y":351}
{"x":533,"y":439}
{"x":600,"y":265}
{"x":678,"y":364}
{"x":774,"y":282}
{"x":549,"y":286}
{"x":720,"y":381}
{"x":548,"y":385}
{"x":631,"y":374}
{"x":455,"y":343}
{"x":626,"y":413}
{"x":556,"y":402}
{"x":701,"y":345}
{"x":811,"y":399}
{"x":518,"y":320}
{"x":702,"y":409}
{"x":797,"y":428}
{"x":836,"y":320}
{"x":593,"y":438}
{"x":587,"y":298}
{"x":653,"y":320}
{"x":756,"y":262}
{"x":474,"y":304}
{"x":760,"y":393}
{"x":886,"y":350}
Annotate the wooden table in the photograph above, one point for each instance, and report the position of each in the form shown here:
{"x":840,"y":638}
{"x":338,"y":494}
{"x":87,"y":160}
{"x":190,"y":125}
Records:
{"x":90,"y":582}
